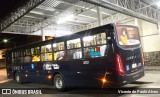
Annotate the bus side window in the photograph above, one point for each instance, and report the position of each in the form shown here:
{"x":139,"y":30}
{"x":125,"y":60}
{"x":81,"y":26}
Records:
{"x":46,"y":53}
{"x":59,"y":55}
{"x":35,"y":54}
{"x":98,"y":51}
{"x":74,"y":50}
{"x":87,"y":53}
{"x":95,"y":45}
{"x":27,"y":56}
{"x":103,"y":50}
{"x":74,"y":54}
{"x":70,"y":54}
{"x":58,"y":51}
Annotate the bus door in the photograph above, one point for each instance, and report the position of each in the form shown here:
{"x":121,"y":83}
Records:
{"x":129,"y":54}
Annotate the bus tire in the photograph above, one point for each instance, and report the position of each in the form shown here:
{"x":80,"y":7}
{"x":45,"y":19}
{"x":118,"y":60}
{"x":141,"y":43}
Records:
{"x":18,"y":78}
{"x":59,"y":83}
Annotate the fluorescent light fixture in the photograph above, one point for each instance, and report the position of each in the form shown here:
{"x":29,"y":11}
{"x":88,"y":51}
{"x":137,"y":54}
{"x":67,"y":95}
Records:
{"x":158,"y":4}
{"x":5,"y":40}
{"x":36,"y":12}
{"x":64,"y":19}
{"x":60,"y":33}
{"x":46,"y":8}
{"x":87,"y":16}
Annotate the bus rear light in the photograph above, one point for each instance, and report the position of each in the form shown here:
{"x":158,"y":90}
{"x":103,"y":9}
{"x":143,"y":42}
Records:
{"x":120,"y":64}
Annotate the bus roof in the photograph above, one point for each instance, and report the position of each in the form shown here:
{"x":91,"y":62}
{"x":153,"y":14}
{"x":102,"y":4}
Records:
{"x":67,"y":37}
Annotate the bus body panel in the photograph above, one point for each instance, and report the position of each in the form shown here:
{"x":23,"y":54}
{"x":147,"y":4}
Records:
{"x":88,"y":72}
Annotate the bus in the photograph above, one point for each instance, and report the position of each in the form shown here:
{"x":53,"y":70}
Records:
{"x":109,"y":55}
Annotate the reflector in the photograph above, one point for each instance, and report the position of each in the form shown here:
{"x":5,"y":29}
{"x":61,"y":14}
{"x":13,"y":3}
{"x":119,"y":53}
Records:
{"x":120,"y":64}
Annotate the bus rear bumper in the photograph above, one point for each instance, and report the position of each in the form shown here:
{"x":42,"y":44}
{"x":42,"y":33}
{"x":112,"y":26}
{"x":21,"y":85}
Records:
{"x":128,"y":78}
{"x":123,"y":79}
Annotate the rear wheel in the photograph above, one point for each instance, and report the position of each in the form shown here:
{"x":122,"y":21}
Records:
{"x":59,"y":82}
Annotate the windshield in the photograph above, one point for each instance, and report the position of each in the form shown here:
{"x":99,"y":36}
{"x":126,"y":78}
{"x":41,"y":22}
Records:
{"x":127,"y":35}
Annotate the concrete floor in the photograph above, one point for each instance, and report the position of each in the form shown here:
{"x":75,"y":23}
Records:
{"x":151,"y":80}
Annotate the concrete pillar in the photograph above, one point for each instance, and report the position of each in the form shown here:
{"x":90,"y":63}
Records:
{"x":138,"y":23}
{"x":99,"y":16}
{"x":42,"y":34}
{"x":159,"y":27}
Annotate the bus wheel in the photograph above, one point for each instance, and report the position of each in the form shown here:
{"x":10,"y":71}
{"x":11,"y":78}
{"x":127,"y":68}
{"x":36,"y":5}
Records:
{"x":18,"y":78}
{"x":59,"y":82}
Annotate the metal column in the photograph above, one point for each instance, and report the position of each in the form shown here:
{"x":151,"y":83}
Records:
{"x":138,"y":23}
{"x":43,"y":35}
{"x":99,"y":16}
{"x":159,"y":27}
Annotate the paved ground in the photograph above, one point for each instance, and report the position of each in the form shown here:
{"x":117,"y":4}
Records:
{"x":151,"y":80}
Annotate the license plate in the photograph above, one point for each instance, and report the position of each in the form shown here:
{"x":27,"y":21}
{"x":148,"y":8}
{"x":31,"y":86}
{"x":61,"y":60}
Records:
{"x":134,"y":65}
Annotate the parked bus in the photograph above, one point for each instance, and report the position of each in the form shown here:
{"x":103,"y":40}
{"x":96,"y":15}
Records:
{"x":100,"y":57}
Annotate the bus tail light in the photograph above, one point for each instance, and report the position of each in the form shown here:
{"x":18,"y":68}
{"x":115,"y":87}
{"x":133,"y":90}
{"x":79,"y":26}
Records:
{"x":120,"y":64}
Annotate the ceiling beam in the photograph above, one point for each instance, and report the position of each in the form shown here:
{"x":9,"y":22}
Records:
{"x":129,"y":7}
{"x":20,"y":12}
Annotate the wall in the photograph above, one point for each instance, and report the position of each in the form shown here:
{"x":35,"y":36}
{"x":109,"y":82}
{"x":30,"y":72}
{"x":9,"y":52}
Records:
{"x":150,"y":37}
{"x":2,"y":52}
{"x":2,"y":63}
{"x":151,"y":43}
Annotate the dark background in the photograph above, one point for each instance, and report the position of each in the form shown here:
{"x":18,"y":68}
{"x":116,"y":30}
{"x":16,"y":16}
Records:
{"x":9,"y":6}
{"x":16,"y":40}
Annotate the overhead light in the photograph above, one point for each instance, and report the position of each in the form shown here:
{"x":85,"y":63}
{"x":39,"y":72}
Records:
{"x":158,"y":4}
{"x":64,"y":19}
{"x":5,"y":40}
{"x":62,"y":33}
{"x":36,"y":12}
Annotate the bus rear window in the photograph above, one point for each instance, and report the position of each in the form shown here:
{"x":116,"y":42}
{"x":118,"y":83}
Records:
{"x":127,"y":35}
